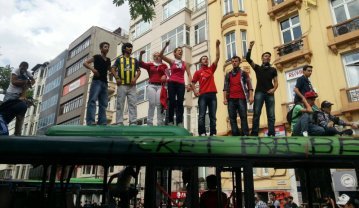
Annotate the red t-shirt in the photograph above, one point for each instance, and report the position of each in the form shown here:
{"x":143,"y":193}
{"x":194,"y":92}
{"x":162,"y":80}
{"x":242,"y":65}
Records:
{"x":177,"y":71}
{"x":206,"y":79}
{"x":155,"y":72}
{"x":235,"y":86}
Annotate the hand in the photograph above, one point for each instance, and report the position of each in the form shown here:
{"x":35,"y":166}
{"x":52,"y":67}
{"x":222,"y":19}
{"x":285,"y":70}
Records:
{"x":271,"y":91}
{"x":225,"y":102}
{"x":142,"y":52}
{"x":330,"y":124}
{"x":354,"y":125}
{"x":167,"y":43}
{"x":133,"y":82}
{"x":196,"y":94}
{"x":118,"y":82}
{"x":251,"y":44}
{"x":251,"y":99}
{"x":218,"y":43}
{"x":164,"y":79}
{"x":95,"y":73}
{"x":189,"y":88}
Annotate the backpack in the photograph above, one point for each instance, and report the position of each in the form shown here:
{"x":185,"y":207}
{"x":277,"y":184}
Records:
{"x":290,"y":115}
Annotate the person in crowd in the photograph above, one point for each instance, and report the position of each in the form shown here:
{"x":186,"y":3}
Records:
{"x":237,"y":92}
{"x":176,"y":84}
{"x":290,"y":203}
{"x":329,"y":202}
{"x":267,"y":84}
{"x":207,"y":93}
{"x":303,"y":84}
{"x":98,"y":88}
{"x":16,"y":101}
{"x":157,"y":77}
{"x":259,"y":202}
{"x":123,"y":189}
{"x":327,"y":121}
{"x":126,"y":71}
{"x":273,"y":201}
{"x":302,"y":121}
{"x":209,"y":198}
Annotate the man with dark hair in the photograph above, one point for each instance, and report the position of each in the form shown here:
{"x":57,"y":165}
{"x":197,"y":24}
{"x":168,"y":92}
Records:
{"x":15,"y":101}
{"x":207,"y":93}
{"x":290,"y":203}
{"x":303,"y":84}
{"x":237,"y":91}
{"x":126,"y":70}
{"x":273,"y":201}
{"x":327,"y":121}
{"x":98,"y":89}
{"x":209,"y":199}
{"x":267,"y":84}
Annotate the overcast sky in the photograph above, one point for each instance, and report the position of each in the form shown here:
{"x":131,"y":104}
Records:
{"x":38,"y":30}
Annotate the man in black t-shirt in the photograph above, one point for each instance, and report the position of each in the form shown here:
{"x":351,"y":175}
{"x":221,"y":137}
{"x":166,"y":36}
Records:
{"x":303,"y":84}
{"x":98,"y":89}
{"x":267,"y":84}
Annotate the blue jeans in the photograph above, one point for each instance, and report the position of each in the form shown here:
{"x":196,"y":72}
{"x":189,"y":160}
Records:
{"x":259,"y":99}
{"x":235,"y":107}
{"x":176,"y":97}
{"x":98,"y":92}
{"x":207,"y":100}
{"x":304,"y":124}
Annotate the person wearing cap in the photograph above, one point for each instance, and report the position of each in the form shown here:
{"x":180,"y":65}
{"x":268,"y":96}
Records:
{"x":344,"y":201}
{"x":303,"y":84}
{"x":126,"y":71}
{"x":302,"y":124}
{"x":327,"y":121}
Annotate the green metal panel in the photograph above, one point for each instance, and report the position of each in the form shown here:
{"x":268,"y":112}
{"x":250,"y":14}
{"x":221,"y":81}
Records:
{"x":112,"y":130}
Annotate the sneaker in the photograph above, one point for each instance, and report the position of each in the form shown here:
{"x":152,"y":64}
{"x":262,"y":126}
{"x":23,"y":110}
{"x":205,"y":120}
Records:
{"x":305,"y":133}
{"x":202,"y":135}
{"x":180,"y":125}
{"x":213,"y":135}
{"x":133,"y":124}
{"x":119,"y":124}
{"x":170,"y":124}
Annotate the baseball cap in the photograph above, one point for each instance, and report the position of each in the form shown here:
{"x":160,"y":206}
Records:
{"x":326,"y":104}
{"x":343,"y":199}
{"x":310,"y":94}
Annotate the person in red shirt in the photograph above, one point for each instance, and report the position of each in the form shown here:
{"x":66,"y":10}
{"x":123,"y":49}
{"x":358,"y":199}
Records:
{"x":237,"y":92}
{"x":156,"y":73}
{"x":176,"y":84}
{"x":207,"y":93}
{"x":209,"y":199}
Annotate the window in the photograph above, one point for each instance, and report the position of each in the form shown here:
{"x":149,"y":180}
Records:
{"x":254,"y":171}
{"x":46,"y":121}
{"x":344,"y":9}
{"x":56,"y":67}
{"x":277,"y":1}
{"x":140,"y":28}
{"x":241,"y":5}
{"x":231,"y":45}
{"x":244,"y":42}
{"x":351,"y":67}
{"x":177,"y":38}
{"x":141,"y":91}
{"x":71,"y":105}
{"x":86,"y":170}
{"x":146,"y":56}
{"x":52,"y":85}
{"x":265,"y":171}
{"x":80,"y":47}
{"x":290,"y":29}
{"x":291,"y":77}
{"x":200,"y":4}
{"x":172,"y":7}
{"x":76,"y":66}
{"x":74,"y":121}
{"x":200,"y":32}
{"x":228,"y":7}
{"x":52,"y":101}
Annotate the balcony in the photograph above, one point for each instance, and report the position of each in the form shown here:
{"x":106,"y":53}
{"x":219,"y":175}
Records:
{"x":343,"y":35}
{"x":111,"y":88}
{"x":350,"y":101}
{"x":292,"y":53}
{"x":280,"y":8}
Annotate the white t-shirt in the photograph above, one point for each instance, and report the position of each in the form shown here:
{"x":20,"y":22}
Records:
{"x":15,"y":89}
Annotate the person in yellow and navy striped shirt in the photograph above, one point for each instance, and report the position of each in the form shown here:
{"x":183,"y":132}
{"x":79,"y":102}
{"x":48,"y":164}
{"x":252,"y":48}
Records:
{"x":126,"y":70}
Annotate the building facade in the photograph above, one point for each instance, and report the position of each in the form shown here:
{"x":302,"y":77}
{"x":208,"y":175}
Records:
{"x":51,"y":93}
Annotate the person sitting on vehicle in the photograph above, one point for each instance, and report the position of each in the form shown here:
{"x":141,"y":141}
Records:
{"x":327,"y":121}
{"x":344,"y":201}
{"x":209,"y":199}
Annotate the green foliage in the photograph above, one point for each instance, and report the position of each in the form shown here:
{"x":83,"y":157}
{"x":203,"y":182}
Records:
{"x":144,"y":8}
{"x":5,"y":73}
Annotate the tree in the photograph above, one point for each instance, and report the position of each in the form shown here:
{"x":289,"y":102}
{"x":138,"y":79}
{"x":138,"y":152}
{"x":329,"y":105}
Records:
{"x":5,"y":73}
{"x":145,"y":8}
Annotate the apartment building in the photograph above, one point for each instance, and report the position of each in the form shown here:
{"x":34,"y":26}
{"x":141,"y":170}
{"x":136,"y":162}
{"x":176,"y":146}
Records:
{"x":51,"y":93}
{"x":76,"y":83}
